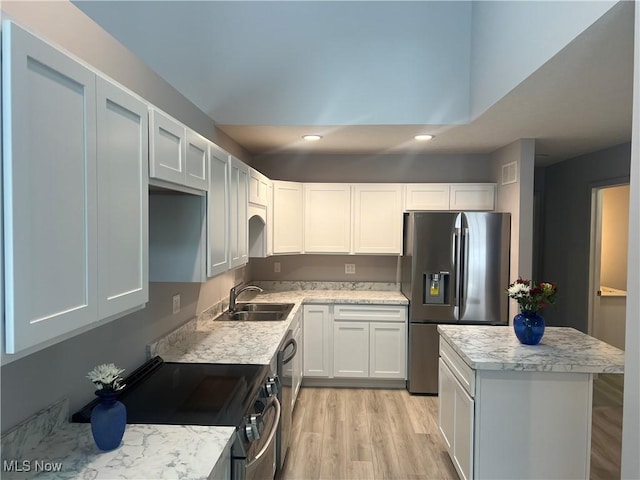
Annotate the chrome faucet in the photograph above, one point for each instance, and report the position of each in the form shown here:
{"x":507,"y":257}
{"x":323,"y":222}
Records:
{"x":234,"y":294}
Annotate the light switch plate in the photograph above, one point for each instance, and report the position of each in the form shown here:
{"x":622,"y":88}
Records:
{"x":350,"y":268}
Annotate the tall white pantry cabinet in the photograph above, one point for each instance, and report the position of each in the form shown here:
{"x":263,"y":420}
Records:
{"x":74,"y":201}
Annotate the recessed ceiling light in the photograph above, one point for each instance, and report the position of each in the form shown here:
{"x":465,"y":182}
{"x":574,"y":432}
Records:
{"x":423,"y":137}
{"x":312,"y":138}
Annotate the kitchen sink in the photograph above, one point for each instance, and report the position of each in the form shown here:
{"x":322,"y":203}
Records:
{"x":264,"y":307}
{"x":258,"y":312}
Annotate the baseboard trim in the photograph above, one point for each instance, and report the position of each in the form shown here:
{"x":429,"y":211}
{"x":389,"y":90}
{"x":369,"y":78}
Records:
{"x":353,"y":383}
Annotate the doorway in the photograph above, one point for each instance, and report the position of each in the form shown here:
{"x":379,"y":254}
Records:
{"x":608,"y":279}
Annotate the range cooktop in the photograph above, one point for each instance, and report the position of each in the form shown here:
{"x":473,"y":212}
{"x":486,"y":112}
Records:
{"x":188,"y":393}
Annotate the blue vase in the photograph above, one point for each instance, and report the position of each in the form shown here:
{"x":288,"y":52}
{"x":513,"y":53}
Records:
{"x":108,"y":421}
{"x":529,"y":327}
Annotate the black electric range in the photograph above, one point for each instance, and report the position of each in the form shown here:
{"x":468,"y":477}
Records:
{"x":189,"y":393}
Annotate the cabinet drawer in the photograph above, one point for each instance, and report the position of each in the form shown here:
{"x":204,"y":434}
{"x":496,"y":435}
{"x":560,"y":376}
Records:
{"x":383,"y":313}
{"x":459,"y":368}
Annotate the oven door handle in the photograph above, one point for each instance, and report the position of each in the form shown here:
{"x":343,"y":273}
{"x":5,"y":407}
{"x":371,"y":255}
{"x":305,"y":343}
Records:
{"x":291,"y":341}
{"x":273,"y":402}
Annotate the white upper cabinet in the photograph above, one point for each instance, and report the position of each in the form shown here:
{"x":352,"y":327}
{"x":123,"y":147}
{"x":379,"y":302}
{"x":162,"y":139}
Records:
{"x":167,"y":149}
{"x":287,"y":217}
{"x":378,"y":219}
{"x":427,"y":196}
{"x":327,"y":218}
{"x":218,"y":212}
{"x":258,"y":188}
{"x":75,"y":160}
{"x":123,"y":193}
{"x":464,"y":196}
{"x":238,"y":205}
{"x":196,"y":161}
{"x":49,"y":163}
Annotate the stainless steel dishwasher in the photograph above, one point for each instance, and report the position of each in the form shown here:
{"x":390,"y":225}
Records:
{"x":286,"y":353}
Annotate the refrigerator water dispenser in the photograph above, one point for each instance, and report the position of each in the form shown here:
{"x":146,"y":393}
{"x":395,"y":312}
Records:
{"x":434,"y":284}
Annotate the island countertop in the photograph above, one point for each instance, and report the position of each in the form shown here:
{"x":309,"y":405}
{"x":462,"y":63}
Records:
{"x":562,"y":349}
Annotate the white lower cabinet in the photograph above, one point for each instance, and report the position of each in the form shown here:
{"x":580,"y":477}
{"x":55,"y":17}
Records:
{"x":541,"y":420}
{"x":355,"y":341}
{"x":387,"y":350}
{"x":317,"y":338}
{"x":351,"y":349}
{"x":455,"y":418}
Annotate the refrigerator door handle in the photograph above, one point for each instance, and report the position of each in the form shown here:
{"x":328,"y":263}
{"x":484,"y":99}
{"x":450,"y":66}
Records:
{"x":464,"y":258}
{"x":457,"y":239}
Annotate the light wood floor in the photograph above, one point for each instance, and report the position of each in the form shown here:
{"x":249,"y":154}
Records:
{"x":388,"y":434}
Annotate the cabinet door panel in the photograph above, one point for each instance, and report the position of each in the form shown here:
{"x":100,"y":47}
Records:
{"x":316,"y":336}
{"x":218,"y":213}
{"x":258,"y":188}
{"x":196,"y":158}
{"x":446,"y":404}
{"x":287,"y":217}
{"x":351,"y":349}
{"x":122,"y":200}
{"x":49,"y":191}
{"x":378,"y":219}
{"x":327,"y":218}
{"x":463,"y":435}
{"x":238,"y":198}
{"x":167,"y":149}
{"x":472,"y":196}
{"x":243,"y":214}
{"x":387,"y":350}
{"x":427,"y":196}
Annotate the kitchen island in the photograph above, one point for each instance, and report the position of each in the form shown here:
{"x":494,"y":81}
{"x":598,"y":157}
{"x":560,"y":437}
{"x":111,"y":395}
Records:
{"x":508,"y":410}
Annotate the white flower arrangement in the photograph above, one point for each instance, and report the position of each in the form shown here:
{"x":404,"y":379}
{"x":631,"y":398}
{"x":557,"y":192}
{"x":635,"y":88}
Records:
{"x":106,"y":377}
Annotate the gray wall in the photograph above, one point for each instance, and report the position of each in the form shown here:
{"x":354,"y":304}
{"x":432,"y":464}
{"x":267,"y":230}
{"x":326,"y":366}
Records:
{"x":566,"y":228}
{"x":376,"y":168}
{"x":517,"y":199}
{"x":326,"y":268}
{"x":33,"y":382}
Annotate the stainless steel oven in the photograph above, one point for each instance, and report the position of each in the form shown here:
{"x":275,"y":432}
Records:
{"x":242,"y":396}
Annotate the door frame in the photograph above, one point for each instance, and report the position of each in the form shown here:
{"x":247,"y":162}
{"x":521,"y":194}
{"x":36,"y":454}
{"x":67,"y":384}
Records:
{"x":595,"y":242}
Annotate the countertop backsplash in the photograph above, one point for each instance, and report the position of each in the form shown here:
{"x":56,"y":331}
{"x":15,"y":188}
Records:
{"x":29,"y":433}
{"x":284,"y":286}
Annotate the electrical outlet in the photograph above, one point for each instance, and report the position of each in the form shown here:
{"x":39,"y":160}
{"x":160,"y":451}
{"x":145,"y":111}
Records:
{"x":276,"y":267}
{"x":350,"y":268}
{"x":176,"y":303}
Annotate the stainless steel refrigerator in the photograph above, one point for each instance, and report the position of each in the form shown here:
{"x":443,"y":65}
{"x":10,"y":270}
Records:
{"x":455,"y":268}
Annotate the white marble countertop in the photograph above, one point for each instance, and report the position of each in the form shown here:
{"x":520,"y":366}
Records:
{"x":562,"y":349}
{"x":208,"y":341}
{"x":147,"y":451}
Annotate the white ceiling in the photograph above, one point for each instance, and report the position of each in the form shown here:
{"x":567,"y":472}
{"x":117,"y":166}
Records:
{"x":579,"y":101}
